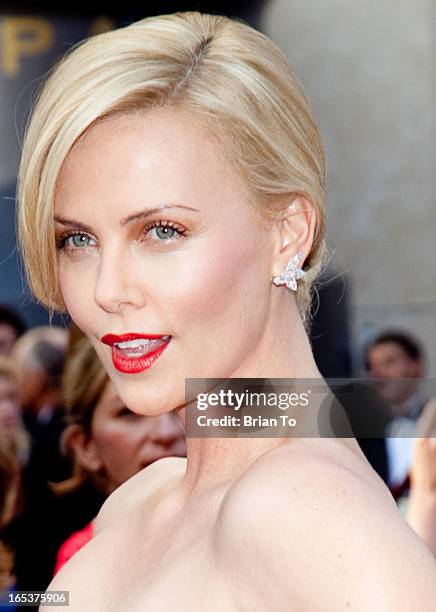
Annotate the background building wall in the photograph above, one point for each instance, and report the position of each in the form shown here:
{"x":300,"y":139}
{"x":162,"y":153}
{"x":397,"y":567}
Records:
{"x":369,"y":70}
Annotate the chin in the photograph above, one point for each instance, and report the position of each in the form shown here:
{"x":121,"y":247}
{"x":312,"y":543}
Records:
{"x":150,"y":398}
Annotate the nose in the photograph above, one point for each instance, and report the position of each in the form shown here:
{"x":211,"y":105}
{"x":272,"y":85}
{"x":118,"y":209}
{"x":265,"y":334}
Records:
{"x":117,"y":285}
{"x":166,"y":429}
{"x":382,"y":371}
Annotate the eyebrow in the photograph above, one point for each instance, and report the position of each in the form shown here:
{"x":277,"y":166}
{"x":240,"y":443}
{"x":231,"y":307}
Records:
{"x":143,"y":214}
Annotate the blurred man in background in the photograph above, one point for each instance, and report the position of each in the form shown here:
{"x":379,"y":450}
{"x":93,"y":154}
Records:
{"x":398,"y":359}
{"x":39,"y":357}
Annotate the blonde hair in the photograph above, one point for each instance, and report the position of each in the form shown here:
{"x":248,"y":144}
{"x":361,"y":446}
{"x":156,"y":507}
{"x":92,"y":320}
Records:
{"x":8,"y":369}
{"x":231,"y":77}
{"x":21,"y":437}
{"x":84,"y":381}
{"x":9,"y":471}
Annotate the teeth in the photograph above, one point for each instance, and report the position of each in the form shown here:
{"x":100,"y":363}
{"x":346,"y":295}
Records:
{"x":133,"y":343}
{"x":142,"y":343}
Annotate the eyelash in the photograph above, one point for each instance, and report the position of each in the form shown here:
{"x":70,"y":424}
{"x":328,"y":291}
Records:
{"x":61,"y":241}
{"x":125,"y":412}
{"x":169,"y":224}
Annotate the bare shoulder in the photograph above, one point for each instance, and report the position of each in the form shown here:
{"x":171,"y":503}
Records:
{"x":94,"y":563}
{"x":75,"y":577}
{"x":140,"y":487}
{"x":307,"y":470}
{"x":312,"y":520}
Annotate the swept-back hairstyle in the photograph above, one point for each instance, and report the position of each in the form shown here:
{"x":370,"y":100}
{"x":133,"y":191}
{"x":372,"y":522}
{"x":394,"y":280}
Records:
{"x":229,"y":76}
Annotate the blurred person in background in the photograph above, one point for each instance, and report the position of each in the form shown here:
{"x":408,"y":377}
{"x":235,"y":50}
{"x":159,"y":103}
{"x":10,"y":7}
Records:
{"x":11,"y":328}
{"x":10,"y":408}
{"x":109,"y":442}
{"x":398,"y":359}
{"x":9,"y":502}
{"x":39,"y":357}
{"x":420,"y":507}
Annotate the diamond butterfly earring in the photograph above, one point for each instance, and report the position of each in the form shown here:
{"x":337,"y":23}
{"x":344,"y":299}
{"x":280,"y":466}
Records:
{"x":291,"y":273}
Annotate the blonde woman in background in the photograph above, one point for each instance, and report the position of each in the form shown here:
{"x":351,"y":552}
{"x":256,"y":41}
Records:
{"x":10,"y":408}
{"x":109,"y":442}
{"x":171,"y":192}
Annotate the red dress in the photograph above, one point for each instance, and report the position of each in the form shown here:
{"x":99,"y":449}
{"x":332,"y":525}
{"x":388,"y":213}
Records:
{"x":73,"y":544}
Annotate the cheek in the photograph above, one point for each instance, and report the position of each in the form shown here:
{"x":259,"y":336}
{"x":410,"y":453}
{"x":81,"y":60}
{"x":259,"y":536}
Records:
{"x":215,"y":280}
{"x":115,"y":443}
{"x":217,"y":306}
{"x":77,"y":286}
{"x":110,"y":435}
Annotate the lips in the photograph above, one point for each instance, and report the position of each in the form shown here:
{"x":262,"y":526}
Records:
{"x":134,"y":353}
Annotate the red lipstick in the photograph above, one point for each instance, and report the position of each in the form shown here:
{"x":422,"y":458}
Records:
{"x":134,"y":353}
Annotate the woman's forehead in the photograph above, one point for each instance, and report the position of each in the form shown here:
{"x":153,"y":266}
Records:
{"x":145,"y":160}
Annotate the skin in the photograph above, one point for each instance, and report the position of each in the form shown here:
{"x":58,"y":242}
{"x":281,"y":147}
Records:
{"x":123,"y":442}
{"x":421,"y":506}
{"x":9,"y":502}
{"x":188,"y":287}
{"x":388,"y":360}
{"x":244,"y":524}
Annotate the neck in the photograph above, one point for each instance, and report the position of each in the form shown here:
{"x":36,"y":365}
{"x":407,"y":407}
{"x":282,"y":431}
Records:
{"x":283,"y":352}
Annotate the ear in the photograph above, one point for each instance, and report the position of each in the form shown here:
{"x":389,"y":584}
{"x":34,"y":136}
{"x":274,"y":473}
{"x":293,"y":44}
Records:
{"x":83,"y":447}
{"x":295,"y":232}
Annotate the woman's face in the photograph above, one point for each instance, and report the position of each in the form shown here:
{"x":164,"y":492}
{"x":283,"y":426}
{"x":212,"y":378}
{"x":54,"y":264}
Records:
{"x":156,"y":237}
{"x":125,"y":442}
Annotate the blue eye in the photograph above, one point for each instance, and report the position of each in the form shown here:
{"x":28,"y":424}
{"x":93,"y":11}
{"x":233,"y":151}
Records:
{"x":79,"y":240}
{"x":74,"y":241}
{"x":164,"y":232}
